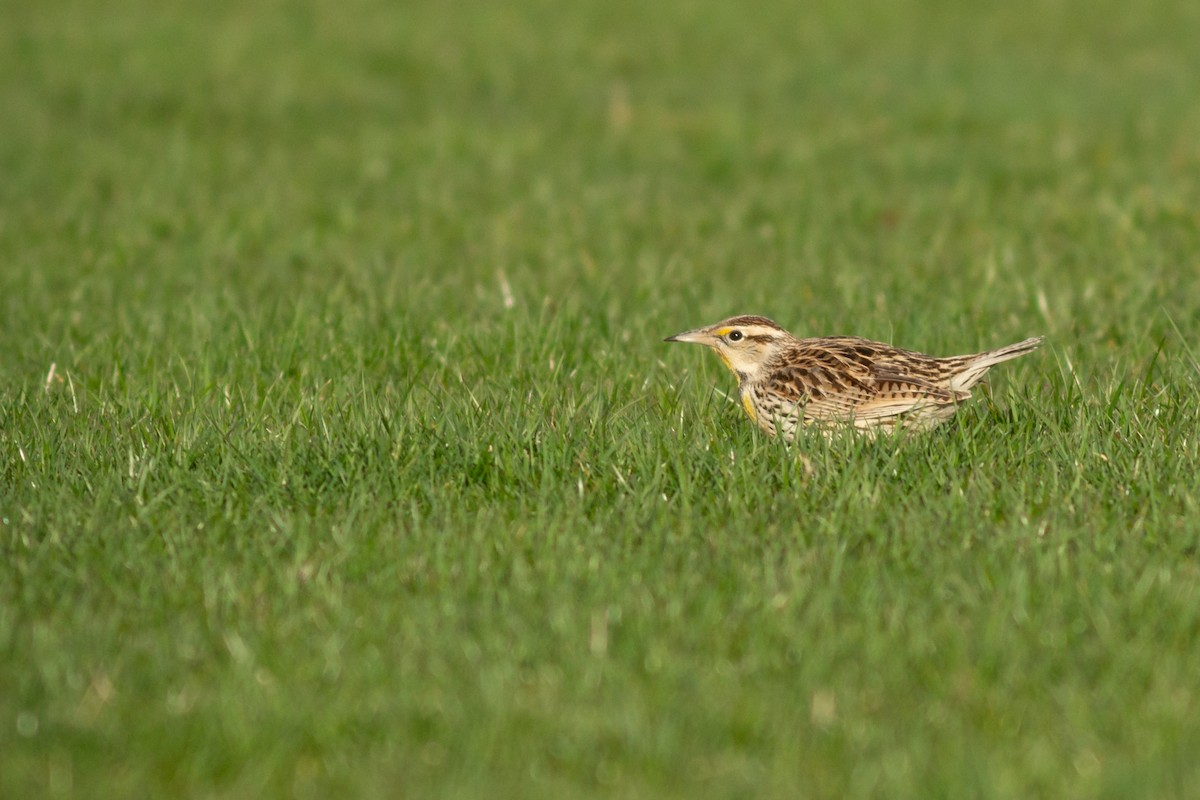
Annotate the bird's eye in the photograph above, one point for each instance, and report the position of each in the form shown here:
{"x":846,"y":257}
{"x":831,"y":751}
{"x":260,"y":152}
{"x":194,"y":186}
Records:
{"x":734,"y":336}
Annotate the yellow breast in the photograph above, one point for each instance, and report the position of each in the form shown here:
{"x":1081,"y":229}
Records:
{"x":748,"y":404}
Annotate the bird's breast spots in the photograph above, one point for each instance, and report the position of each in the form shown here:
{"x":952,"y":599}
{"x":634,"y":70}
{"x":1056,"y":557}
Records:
{"x":748,"y":404}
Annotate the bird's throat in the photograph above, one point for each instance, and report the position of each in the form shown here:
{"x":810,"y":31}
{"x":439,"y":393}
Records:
{"x":748,"y":404}
{"x":743,"y":378}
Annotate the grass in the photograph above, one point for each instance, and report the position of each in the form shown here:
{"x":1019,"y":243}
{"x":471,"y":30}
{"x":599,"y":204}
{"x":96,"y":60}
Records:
{"x":340,"y":454}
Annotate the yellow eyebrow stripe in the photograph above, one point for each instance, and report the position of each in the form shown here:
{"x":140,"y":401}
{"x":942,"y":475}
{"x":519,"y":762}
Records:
{"x":723,"y":331}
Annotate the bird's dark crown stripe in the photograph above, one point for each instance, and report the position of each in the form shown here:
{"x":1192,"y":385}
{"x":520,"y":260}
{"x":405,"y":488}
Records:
{"x":751,"y":320}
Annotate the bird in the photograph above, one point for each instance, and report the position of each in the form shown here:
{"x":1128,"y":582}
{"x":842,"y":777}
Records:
{"x":847,"y":382}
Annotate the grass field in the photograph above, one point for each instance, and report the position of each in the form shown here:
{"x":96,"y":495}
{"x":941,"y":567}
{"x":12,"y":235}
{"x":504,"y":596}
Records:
{"x":341,"y":455}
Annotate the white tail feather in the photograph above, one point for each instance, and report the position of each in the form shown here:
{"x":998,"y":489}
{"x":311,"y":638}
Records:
{"x":977,"y":366}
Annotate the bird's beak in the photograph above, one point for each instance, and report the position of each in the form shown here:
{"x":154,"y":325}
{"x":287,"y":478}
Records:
{"x":698,"y":336}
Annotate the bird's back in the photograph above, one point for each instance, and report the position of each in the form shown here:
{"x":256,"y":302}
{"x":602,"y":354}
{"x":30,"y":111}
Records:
{"x":839,"y":379}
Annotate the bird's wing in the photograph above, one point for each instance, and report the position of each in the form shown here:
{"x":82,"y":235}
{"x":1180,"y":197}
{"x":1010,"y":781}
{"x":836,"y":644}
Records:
{"x":832,"y":389}
{"x":899,"y":395}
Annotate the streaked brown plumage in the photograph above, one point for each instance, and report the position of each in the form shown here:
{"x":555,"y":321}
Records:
{"x":835,"y":381}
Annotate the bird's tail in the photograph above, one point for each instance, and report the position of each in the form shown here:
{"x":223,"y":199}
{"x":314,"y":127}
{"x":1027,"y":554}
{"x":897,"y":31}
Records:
{"x":976,"y":366}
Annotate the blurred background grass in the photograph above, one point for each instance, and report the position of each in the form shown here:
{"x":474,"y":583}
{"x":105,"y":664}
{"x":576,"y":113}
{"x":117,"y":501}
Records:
{"x":688,"y":157}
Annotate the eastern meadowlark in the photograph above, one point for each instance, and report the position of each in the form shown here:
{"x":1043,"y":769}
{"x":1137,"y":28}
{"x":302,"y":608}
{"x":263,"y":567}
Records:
{"x":838,"y":381}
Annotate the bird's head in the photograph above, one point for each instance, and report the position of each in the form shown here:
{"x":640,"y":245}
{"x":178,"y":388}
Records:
{"x":745,"y":344}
